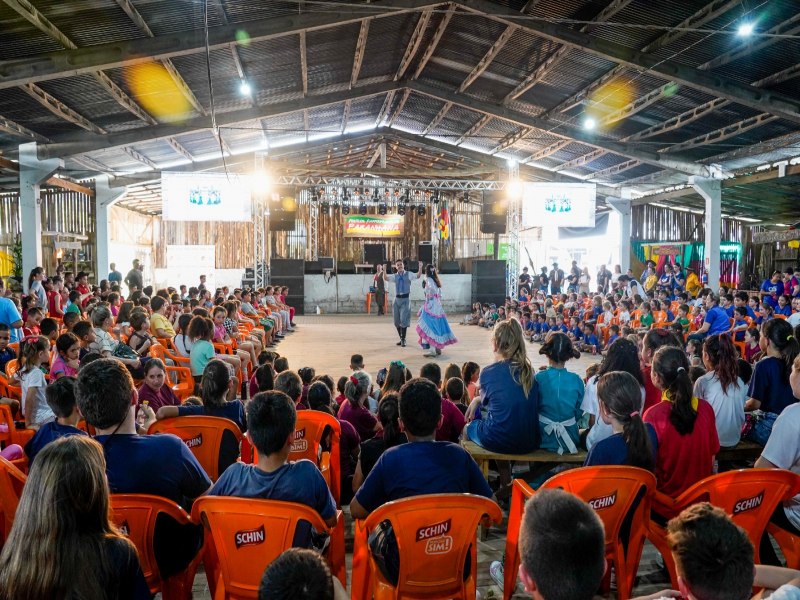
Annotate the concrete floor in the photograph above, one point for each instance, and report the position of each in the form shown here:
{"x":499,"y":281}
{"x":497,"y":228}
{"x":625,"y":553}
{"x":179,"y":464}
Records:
{"x":326,"y":342}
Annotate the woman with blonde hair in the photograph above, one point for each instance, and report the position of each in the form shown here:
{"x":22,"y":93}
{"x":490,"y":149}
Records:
{"x":505,"y":416}
{"x":63,"y":543}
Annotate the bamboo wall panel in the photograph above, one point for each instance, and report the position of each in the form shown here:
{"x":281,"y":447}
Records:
{"x":233,"y":241}
{"x":665,"y":225}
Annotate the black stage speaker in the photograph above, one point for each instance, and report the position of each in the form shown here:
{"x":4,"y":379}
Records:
{"x":282,"y":220}
{"x":449,"y":267}
{"x":374,"y":254}
{"x":494,"y":209}
{"x":326,"y":262}
{"x":347,"y":267}
{"x":489,"y":281}
{"x":425,"y":253}
{"x":289,"y":272}
{"x":313,"y":267}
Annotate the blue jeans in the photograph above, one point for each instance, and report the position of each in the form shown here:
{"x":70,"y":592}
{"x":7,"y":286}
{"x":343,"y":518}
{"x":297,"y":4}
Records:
{"x":762,"y":429}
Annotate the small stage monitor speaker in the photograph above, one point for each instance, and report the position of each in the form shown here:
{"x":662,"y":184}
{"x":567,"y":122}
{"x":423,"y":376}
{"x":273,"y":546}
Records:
{"x":326,"y":262}
{"x":347,"y":267}
{"x":449,"y":267}
{"x":425,"y":253}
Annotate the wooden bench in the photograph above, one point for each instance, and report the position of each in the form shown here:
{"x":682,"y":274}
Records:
{"x":544,"y":460}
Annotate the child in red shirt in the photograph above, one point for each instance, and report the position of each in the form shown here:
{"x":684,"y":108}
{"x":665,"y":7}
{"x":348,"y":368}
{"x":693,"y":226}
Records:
{"x":685,"y":426}
{"x":655,"y":339}
{"x":34,"y":317}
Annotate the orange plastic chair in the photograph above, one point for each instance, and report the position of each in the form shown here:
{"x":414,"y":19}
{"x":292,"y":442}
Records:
{"x":244,"y":535}
{"x":308,"y":437}
{"x":135,"y":515}
{"x":14,"y":435}
{"x":749,"y":496}
{"x":12,"y":480}
{"x":203,"y":436}
{"x":166,"y":353}
{"x":12,"y":367}
{"x":184,"y":386}
{"x":434,"y":534}
{"x":615,"y":493}
{"x":789,"y":544}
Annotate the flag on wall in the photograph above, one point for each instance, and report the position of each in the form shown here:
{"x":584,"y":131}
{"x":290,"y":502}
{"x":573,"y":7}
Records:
{"x":444,"y":225}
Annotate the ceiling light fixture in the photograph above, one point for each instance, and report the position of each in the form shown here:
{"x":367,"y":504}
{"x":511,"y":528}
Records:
{"x":745,"y":30}
{"x":245,"y":89}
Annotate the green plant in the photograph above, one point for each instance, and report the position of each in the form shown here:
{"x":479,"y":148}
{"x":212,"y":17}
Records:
{"x":16,"y":256}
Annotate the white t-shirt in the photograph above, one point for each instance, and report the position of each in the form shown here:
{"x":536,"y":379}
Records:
{"x":183,"y":344}
{"x":41,"y":411}
{"x":786,"y":592}
{"x":728,"y":407}
{"x":783,"y":451}
{"x":793,"y":319}
{"x":590,"y":404}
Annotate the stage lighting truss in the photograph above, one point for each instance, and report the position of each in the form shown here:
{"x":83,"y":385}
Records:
{"x":421,"y":210}
{"x":362,"y":209}
{"x":382,"y":208}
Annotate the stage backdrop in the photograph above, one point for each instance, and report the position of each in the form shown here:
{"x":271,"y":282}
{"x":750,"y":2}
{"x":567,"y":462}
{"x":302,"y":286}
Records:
{"x":691,"y":255}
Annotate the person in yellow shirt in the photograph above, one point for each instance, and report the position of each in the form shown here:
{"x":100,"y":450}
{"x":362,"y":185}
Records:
{"x":160,"y":325}
{"x":693,"y":285}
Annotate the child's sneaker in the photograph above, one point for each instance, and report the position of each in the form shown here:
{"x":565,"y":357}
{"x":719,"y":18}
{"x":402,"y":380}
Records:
{"x":496,"y":572}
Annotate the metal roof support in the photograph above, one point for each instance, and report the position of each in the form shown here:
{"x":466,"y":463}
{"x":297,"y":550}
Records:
{"x":541,"y":71}
{"x":709,"y":12}
{"x":511,"y":139}
{"x":414,"y":43}
{"x":514,"y":219}
{"x":385,"y":107}
{"x":140,"y":157}
{"x":437,"y":37}
{"x":548,"y":151}
{"x":622,"y":206}
{"x":616,"y":169}
{"x":83,"y":143}
{"x":304,"y":62}
{"x":361,"y":46}
{"x":9,"y":126}
{"x":487,"y":59}
{"x":778,"y":104}
{"x":58,"y":108}
{"x":723,"y":133}
{"x":400,"y":106}
{"x":346,"y":115}
{"x":621,"y":148}
{"x":32,"y":173}
{"x":438,"y":118}
{"x":475,"y":129}
{"x":180,"y":149}
{"x":55,"y":65}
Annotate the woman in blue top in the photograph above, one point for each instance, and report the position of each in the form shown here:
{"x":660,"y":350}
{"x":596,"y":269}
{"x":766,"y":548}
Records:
{"x":560,"y":397}
{"x":504,"y":416}
{"x":770,"y":391}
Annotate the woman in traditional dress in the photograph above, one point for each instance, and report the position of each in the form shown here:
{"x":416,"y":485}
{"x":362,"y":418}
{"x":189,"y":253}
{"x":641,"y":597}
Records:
{"x":432,"y":326}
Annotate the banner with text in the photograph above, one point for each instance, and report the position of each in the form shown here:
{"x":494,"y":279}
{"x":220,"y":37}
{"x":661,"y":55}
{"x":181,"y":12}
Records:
{"x":374,"y":226}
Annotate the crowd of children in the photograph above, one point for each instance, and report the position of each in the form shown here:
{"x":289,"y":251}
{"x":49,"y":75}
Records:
{"x":675,"y":384}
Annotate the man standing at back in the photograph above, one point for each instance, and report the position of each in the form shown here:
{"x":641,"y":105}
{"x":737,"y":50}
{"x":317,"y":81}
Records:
{"x":401,"y":307}
{"x":556,"y":279}
{"x":134,"y":278}
{"x":114,"y":276}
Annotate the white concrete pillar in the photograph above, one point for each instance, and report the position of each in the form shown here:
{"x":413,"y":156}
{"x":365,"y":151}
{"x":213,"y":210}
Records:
{"x":104,"y":197}
{"x":32,"y":173}
{"x":622,"y":206}
{"x":711,"y":191}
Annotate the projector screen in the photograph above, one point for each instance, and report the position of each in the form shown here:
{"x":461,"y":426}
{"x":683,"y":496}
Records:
{"x":558,"y":204}
{"x":205,"y":197}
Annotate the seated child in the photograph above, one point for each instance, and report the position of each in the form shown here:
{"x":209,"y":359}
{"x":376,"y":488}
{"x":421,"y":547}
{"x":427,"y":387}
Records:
{"x":6,"y":353}
{"x":31,"y":326}
{"x":714,"y":559}
{"x":646,"y":319}
{"x":49,"y":329}
{"x":575,"y":332}
{"x":752,"y":348}
{"x":86,"y":336}
{"x":61,"y":400}
{"x":590,"y":343}
{"x":561,"y":546}
{"x":422,"y":466}
{"x":70,"y":319}
{"x":740,"y":323}
{"x":271,"y":417}
{"x":560,"y":397}
{"x":300,"y":574}
{"x":613,"y":335}
{"x":66,"y":362}
{"x":140,"y":340}
{"x":683,"y":318}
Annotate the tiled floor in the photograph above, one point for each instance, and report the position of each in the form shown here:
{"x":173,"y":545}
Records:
{"x":326,"y":343}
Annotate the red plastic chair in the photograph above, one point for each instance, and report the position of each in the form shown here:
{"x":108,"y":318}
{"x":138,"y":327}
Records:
{"x":12,"y":480}
{"x":749,"y":496}
{"x":244,"y":535}
{"x":135,"y":515}
{"x":614,"y":493}
{"x":434,"y":534}
{"x":203,"y":436}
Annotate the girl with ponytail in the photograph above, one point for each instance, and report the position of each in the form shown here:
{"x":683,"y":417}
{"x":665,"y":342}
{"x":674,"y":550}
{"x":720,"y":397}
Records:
{"x":355,"y":410}
{"x":770,"y":391}
{"x":633,"y":442}
{"x":560,"y":396}
{"x":371,"y":450}
{"x":508,"y":420}
{"x":684,"y":425}
{"x":722,"y":388}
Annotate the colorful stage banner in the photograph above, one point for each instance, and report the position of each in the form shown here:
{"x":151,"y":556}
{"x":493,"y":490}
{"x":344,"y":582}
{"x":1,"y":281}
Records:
{"x":444,"y":225}
{"x":371,"y":226}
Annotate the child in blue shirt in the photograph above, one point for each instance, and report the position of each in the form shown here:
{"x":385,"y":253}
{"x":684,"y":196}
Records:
{"x":560,"y":397}
{"x":740,"y":323}
{"x":613,"y":335}
{"x":575,"y":332}
{"x":6,"y":354}
{"x":590,"y":343}
{"x":784,"y":307}
{"x":60,"y":397}
{"x":562,"y":327}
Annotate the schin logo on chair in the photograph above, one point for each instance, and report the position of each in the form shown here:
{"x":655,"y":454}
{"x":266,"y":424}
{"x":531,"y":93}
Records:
{"x":299,"y":444}
{"x":124,"y":529}
{"x":195,"y":441}
{"x":745,"y":504}
{"x":250,"y":537}
{"x":603,"y":501}
{"x":437,"y":541}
